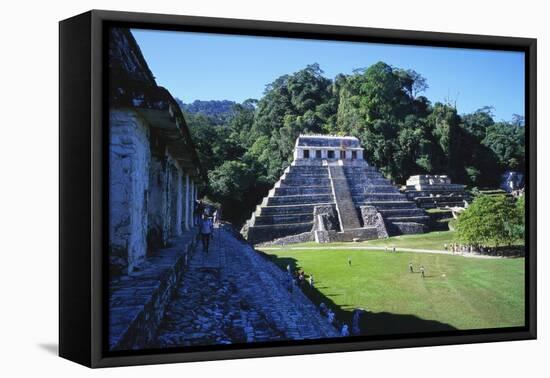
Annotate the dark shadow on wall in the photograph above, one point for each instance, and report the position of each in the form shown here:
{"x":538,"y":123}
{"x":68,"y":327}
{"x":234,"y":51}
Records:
{"x":371,"y":323}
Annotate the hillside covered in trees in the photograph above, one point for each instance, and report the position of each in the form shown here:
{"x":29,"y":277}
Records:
{"x":245,"y":147}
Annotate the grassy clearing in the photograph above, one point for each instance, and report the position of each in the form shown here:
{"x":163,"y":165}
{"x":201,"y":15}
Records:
{"x":465,"y":293}
{"x":433,"y":240}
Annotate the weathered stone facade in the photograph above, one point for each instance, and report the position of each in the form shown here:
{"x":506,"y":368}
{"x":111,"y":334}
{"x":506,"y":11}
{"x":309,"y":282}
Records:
{"x":153,"y":166}
{"x":330,"y":172}
{"x":129,"y":158}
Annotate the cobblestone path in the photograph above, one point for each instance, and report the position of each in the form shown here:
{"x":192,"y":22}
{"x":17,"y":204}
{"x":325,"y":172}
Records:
{"x":232,"y":295}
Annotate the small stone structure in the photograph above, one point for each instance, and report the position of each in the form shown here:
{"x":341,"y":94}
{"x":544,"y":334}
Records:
{"x":435,"y":191}
{"x":321,"y":193}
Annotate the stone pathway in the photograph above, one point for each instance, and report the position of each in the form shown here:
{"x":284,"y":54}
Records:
{"x":232,"y":294}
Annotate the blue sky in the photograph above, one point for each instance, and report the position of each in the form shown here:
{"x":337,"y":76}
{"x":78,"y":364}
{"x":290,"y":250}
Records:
{"x":198,"y":66}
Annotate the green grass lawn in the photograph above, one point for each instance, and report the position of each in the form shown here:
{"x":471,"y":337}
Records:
{"x":465,"y":293}
{"x":433,"y":240}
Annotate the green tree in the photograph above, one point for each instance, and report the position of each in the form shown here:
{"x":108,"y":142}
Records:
{"x":231,"y":184}
{"x":507,"y":141}
{"x":445,"y":122}
{"x":489,"y":220}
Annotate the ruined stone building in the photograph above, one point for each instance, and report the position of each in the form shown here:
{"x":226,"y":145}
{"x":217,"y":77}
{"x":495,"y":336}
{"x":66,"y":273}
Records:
{"x":330,"y":192}
{"x":435,"y":191}
{"x":153,"y":165}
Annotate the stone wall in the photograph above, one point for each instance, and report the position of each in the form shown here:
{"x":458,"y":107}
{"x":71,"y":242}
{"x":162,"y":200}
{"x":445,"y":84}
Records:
{"x":372,"y":218}
{"x":158,"y":196}
{"x":147,"y":193}
{"x":325,"y":218}
{"x":130,"y":158}
{"x":151,"y":155}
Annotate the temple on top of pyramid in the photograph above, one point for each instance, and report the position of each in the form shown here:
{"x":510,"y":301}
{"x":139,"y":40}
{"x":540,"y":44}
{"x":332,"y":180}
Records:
{"x":330,"y":193}
{"x":313,"y":149}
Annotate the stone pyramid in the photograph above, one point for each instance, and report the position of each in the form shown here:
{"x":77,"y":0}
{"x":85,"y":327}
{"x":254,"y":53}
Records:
{"x":330,"y":193}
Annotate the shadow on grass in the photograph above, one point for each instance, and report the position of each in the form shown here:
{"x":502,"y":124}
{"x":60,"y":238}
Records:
{"x":370,"y":323}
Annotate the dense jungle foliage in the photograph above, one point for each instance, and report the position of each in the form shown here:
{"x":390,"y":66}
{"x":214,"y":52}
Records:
{"x":245,"y":149}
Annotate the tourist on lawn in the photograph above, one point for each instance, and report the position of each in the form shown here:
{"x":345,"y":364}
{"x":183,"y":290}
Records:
{"x":205,"y":231}
{"x":349,"y":261}
{"x":422,"y":270}
{"x":411,"y":268}
{"x":311,"y":280}
{"x":393,"y":249}
{"x":445,"y":246}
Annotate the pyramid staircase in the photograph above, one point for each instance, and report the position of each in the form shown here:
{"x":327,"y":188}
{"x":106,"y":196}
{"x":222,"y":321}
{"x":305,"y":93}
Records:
{"x":369,"y":187}
{"x":347,"y":211}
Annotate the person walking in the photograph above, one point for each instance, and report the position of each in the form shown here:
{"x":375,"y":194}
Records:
{"x":311,"y":280}
{"x":422,"y":270}
{"x":205,"y":231}
{"x":411,"y":268}
{"x":330,"y":316}
{"x":345,"y":330}
{"x":349,"y":262}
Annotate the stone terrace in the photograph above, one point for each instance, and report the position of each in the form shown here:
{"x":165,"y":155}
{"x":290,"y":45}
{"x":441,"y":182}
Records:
{"x":433,"y":191}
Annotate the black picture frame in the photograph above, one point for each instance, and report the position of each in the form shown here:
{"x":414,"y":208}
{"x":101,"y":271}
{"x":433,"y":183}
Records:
{"x":83,"y":195}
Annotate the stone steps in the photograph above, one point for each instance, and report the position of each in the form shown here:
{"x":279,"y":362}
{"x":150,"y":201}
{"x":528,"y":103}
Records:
{"x":390,"y":204}
{"x":293,"y":174}
{"x":401,"y":215}
{"x":356,"y":189}
{"x":302,"y":190}
{"x":283,"y":219}
{"x":314,"y":181}
{"x":289,"y":209}
{"x":410,"y":212}
{"x":345,"y":205}
{"x":372,"y":197}
{"x":299,"y":199}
